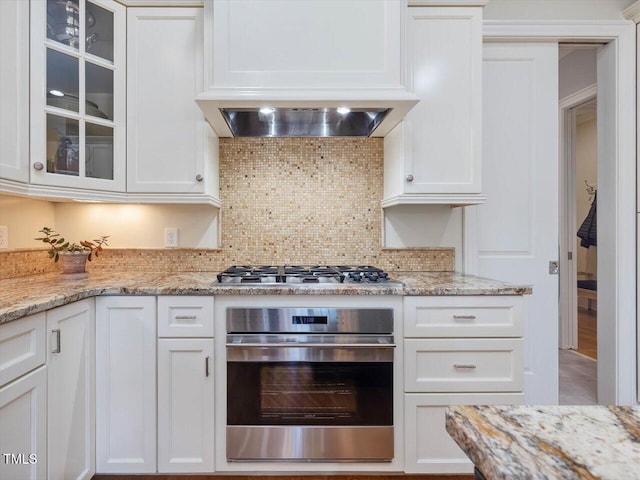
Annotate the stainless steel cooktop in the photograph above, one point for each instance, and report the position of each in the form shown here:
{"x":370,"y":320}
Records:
{"x":305,"y":274}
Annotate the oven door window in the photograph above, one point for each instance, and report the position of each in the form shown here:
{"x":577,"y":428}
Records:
{"x":309,"y":393}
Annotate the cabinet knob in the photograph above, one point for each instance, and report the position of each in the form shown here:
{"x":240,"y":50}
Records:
{"x":199,"y":177}
{"x":409,"y":178}
{"x":38,"y":166}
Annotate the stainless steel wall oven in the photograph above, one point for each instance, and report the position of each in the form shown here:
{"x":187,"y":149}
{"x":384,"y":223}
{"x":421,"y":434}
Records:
{"x":310,"y":384}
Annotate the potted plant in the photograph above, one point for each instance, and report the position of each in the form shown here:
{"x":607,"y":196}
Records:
{"x":73,"y":256}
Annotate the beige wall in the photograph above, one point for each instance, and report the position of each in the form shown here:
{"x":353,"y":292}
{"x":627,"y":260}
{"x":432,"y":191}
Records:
{"x":24,"y":217}
{"x":586,"y":169}
{"x":128,"y":226}
{"x":138,"y":226}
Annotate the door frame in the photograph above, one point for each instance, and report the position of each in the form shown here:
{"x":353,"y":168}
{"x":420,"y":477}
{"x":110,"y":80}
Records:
{"x":568,"y":334}
{"x":623,"y":35}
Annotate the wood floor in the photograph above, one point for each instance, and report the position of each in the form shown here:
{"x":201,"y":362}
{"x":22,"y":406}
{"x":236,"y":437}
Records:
{"x":296,"y":477}
{"x":587,"y":332}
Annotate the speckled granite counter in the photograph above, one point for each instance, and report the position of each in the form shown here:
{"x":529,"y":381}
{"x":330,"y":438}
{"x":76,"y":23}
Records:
{"x":26,"y":295}
{"x":559,"y":442}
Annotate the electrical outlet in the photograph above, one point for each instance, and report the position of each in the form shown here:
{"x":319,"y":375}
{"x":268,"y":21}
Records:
{"x":4,"y":236}
{"x":171,"y":237}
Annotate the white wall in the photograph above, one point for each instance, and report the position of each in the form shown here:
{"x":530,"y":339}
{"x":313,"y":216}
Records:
{"x":586,"y":169}
{"x":24,"y":217}
{"x":424,"y":226}
{"x":577,"y":70}
{"x":556,"y":9}
{"x":138,"y":226}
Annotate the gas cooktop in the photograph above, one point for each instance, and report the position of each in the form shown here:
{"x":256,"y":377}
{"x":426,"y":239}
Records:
{"x":304,"y":274}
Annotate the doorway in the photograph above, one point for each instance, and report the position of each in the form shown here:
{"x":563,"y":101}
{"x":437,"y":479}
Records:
{"x":486,"y":252}
{"x":578,"y":233}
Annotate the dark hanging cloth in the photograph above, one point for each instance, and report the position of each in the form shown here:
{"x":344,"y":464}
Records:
{"x":588,"y":231}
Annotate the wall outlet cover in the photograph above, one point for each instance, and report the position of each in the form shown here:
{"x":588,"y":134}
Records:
{"x":170,"y":237}
{"x":4,"y":236}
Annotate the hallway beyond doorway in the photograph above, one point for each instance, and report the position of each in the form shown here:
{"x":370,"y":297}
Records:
{"x":578,"y":379}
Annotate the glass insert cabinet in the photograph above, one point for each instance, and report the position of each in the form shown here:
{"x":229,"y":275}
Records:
{"x":78,"y":109}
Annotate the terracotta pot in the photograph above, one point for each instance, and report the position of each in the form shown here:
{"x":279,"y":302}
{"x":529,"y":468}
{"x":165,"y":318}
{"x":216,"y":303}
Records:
{"x":74,"y":265}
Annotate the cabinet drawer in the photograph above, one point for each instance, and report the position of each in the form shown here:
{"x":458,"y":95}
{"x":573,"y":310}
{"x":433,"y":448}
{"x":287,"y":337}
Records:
{"x":428,"y":446}
{"x":183,"y":316}
{"x":473,"y":316}
{"x":22,"y":346}
{"x":464,"y":365}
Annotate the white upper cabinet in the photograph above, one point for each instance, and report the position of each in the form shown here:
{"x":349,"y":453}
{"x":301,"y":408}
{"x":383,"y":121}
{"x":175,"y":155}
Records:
{"x":168,"y":139}
{"x":14,"y":90}
{"x":78,"y":94}
{"x":434,"y":155}
{"x":313,"y":44}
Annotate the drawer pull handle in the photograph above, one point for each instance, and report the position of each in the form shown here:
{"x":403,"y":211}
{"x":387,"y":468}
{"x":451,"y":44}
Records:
{"x":206,"y":366}
{"x":56,"y":332}
{"x":469,"y":366}
{"x":464,"y":317}
{"x":185,"y":317}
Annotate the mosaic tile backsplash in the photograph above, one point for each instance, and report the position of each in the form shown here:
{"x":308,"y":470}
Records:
{"x":285,"y":201}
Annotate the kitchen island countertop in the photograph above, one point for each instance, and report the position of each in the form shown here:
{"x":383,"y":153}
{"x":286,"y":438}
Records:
{"x":543,"y":442}
{"x":32,"y":294}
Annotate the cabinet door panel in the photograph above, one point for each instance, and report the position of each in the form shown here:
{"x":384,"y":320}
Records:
{"x":23,"y":432}
{"x":445,"y":70}
{"x":166,"y":129}
{"x":428,"y":446}
{"x":464,"y":365}
{"x":72,"y":82}
{"x":182,"y":316}
{"x":22,"y":346}
{"x":71,"y":403}
{"x":14,"y":90}
{"x":185,"y":405}
{"x":126,"y":384}
{"x":472,"y":316}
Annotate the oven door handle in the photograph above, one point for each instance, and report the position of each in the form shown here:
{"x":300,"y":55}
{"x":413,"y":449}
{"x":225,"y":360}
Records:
{"x":311,"y":345}
{"x":310,"y":353}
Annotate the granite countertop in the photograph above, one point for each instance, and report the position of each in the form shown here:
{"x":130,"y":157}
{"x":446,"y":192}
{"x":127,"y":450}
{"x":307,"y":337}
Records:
{"x":543,"y":442}
{"x":26,"y":295}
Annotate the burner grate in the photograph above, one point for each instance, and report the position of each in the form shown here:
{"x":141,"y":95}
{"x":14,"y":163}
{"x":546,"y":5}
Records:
{"x":302,"y":274}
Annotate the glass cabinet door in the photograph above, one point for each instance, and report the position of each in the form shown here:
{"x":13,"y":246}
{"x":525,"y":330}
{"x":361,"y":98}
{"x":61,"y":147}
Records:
{"x":77,"y":93}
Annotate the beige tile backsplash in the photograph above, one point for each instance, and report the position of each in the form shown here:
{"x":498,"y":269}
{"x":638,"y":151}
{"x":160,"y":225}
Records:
{"x":285,"y":201}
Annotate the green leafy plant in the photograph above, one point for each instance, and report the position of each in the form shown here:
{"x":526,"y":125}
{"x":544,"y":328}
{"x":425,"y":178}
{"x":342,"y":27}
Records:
{"x":58,"y":244}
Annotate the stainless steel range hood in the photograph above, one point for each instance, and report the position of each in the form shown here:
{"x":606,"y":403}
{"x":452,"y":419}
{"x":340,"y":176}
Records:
{"x":292,"y":68}
{"x":303,"y":122}
{"x":313,"y":114}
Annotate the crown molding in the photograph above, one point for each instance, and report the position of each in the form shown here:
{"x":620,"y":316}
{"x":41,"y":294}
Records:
{"x":633,"y":12}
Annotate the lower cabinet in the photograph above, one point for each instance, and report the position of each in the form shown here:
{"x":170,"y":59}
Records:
{"x":126,"y":384}
{"x":185,"y":405}
{"x":23,"y":427}
{"x":428,"y":446}
{"x":47,"y":411}
{"x":70,"y":393}
{"x":458,"y":350}
{"x":140,"y":429}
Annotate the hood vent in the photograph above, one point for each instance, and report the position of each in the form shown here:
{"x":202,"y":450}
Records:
{"x":292,"y":68}
{"x":303,"y":122}
{"x":305,"y":114}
